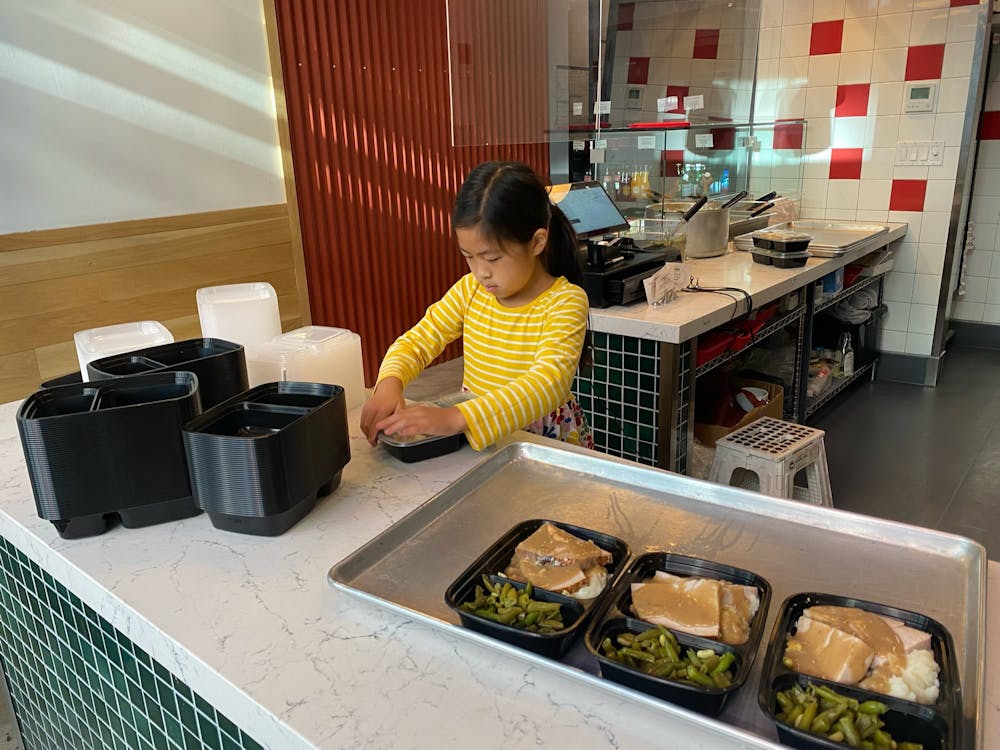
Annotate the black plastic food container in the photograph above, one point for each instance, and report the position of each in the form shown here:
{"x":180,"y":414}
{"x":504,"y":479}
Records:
{"x":619,"y":616}
{"x":576,"y":612}
{"x":220,"y":366}
{"x":259,"y":460}
{"x":937,"y":727}
{"x":781,"y":241}
{"x":780,"y":260}
{"x":70,"y":378}
{"x":421,"y":447}
{"x":97,"y":449}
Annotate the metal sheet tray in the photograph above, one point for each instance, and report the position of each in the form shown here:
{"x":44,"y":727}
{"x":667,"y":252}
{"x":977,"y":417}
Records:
{"x":796,"y":546}
{"x":829,"y":238}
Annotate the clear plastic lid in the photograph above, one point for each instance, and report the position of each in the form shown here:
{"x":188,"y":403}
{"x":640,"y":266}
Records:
{"x":254,"y":290}
{"x":781,"y":235}
{"x":123,"y":337}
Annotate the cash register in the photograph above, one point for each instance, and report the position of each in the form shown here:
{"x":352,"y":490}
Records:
{"x":614,"y":266}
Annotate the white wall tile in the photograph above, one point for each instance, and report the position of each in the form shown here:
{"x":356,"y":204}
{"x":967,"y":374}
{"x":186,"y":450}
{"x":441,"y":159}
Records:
{"x":885,"y":99}
{"x":916,"y":127}
{"x":930,"y":4}
{"x":819,"y":133}
{"x":934,"y":228}
{"x":894,"y":6}
{"x":892,"y":341}
{"x":793,"y":71}
{"x":992,"y":101}
{"x":889,"y":64}
{"x":977,"y":263}
{"x":859,"y":34}
{"x":642,"y":43}
{"x":898,"y":286}
{"x":797,"y":11}
{"x":975,"y":288}
{"x":922,"y":318}
{"x":810,"y":212}
{"x":828,"y":10}
{"x":926,"y":289}
{"x":929,"y":27}
{"x":948,"y":128}
{"x":962,"y":24}
{"x":823,"y":70}
{"x":948,"y":167}
{"x":877,"y":216}
{"x":816,"y":164}
{"x":909,"y":172}
{"x":874,"y":194}
{"x":883,"y":132}
{"x":965,"y":310}
{"x":841,"y":214}
{"x":709,"y":16}
{"x":770,"y":13}
{"x":791,"y":103}
{"x":843,"y":194}
{"x":912,"y":219}
{"x":892,"y":31}
{"x":814,"y":193}
{"x":919,"y":344}
{"x":848,"y":132}
{"x":991,"y":313}
{"x":939,"y":196}
{"x":989,"y":155}
{"x":860,"y":8}
{"x":820,"y":102}
{"x":930,"y":258}
{"x":957,"y":59}
{"x":877,"y":164}
{"x":953,"y":94}
{"x":993,"y":292}
{"x":794,"y":40}
{"x":995,"y":269}
{"x":904,"y":256}
{"x":898,"y":316}
{"x":682,"y":43}
{"x":985,"y":208}
{"x":987,"y":181}
{"x":856,"y":67}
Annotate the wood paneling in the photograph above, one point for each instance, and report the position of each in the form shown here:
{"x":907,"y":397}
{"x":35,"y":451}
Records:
{"x":56,"y":282}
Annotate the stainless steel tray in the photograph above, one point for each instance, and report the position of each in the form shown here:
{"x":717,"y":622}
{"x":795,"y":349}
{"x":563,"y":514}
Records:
{"x":795,"y":546}
{"x":829,"y":238}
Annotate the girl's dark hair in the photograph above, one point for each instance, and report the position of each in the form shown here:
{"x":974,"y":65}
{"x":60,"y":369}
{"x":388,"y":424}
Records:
{"x":507,"y":201}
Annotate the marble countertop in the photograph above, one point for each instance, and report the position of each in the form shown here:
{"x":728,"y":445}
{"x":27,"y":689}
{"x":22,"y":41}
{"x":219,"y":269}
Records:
{"x":251,"y":624}
{"x":693,"y":313}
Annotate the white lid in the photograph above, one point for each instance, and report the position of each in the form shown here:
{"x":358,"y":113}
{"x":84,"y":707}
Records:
{"x":310,"y":336}
{"x":254,"y":290}
{"x":123,"y":337}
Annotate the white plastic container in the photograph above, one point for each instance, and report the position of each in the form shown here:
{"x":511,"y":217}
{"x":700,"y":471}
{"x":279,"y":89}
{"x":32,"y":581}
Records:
{"x":313,"y":354}
{"x":244,"y":314}
{"x":94,"y":343}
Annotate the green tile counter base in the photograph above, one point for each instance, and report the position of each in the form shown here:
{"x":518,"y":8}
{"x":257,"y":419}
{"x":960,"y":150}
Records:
{"x":78,"y":683}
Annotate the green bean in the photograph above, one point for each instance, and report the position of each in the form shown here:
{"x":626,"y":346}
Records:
{"x":873,"y":707}
{"x":508,"y":605}
{"x":845,"y":725}
{"x":725,"y":662}
{"x":656,"y":652}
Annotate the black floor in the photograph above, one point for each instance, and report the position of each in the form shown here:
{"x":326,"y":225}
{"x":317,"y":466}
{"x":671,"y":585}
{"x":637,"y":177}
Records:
{"x":925,"y":456}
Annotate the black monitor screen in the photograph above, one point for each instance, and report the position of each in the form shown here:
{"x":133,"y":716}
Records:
{"x":589,"y":209}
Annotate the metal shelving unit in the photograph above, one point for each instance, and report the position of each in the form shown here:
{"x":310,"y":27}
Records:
{"x":814,"y":404}
{"x":848,"y":291}
{"x":778,"y":324}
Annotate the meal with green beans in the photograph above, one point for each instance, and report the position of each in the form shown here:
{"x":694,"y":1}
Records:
{"x":657,"y":652}
{"x":503,"y":603}
{"x":819,"y":710}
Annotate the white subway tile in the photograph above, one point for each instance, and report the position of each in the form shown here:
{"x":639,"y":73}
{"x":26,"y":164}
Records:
{"x":680,"y":71}
{"x":812,"y":212}
{"x":892,"y":341}
{"x":991,"y":313}
{"x":993,"y":292}
{"x":995,"y":269}
{"x":819,"y":134}
{"x":928,"y":27}
{"x":814,"y":193}
{"x":934,"y":227}
{"x":916,"y":127}
{"x":816,"y":164}
{"x":848,"y":132}
{"x":922,"y":318}
{"x":953,"y":94}
{"x":939,"y":196}
{"x":794,"y":40}
{"x":703,"y":73}
{"x":962,"y":24}
{"x":767,"y":75}
{"x":903,"y":172}
{"x":856,"y":67}
{"x":919,"y":344}
{"x":992,"y":101}
{"x":948,"y":128}
{"x":791,"y":104}
{"x":828,"y":10}
{"x":965,"y":310}
{"x":926,"y":289}
{"x":841,"y":214}
{"x":797,"y":11}
{"x":860,"y":8}
{"x":859,"y":35}
{"x":793,"y":71}
{"x":930,"y":4}
{"x":888,"y":65}
{"x":892,"y":31}
{"x":930,"y":258}
{"x":770,"y":13}
{"x":682,"y":45}
{"x":904,"y":256}
{"x":883,"y":133}
{"x":912,"y":219}
{"x":843,"y":194}
{"x":957,"y":59}
{"x":898,"y":286}
{"x":989,"y":155}
{"x":885,"y":99}
{"x":975,"y":288}
{"x":709,"y":16}
{"x":820,"y":102}
{"x":984,"y":240}
{"x":659,"y":72}
{"x":730,"y":43}
{"x":985,"y":208}
{"x":823,"y":70}
{"x":642,"y":43}
{"x":877,"y":216}
{"x":874,"y":195}
{"x":898,"y":316}
{"x":948,"y":167}
{"x":894,"y":6}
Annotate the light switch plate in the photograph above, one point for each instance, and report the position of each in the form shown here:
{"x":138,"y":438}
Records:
{"x":920,"y":153}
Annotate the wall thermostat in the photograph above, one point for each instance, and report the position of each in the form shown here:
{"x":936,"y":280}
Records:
{"x":920,"y":97}
{"x":633,"y":97}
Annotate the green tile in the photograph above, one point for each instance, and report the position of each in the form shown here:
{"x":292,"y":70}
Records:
{"x":615,"y":360}
{"x":249,"y":743}
{"x":191,"y":741}
{"x":209,"y":732}
{"x":187,"y":715}
{"x":228,"y":743}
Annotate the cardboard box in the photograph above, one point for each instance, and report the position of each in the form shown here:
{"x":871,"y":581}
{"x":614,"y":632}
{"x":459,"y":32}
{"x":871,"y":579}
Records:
{"x":709,"y":433}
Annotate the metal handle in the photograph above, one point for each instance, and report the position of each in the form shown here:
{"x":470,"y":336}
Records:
{"x":773,"y":194}
{"x":695,"y":208}
{"x":735,"y":199}
{"x":762,"y":209}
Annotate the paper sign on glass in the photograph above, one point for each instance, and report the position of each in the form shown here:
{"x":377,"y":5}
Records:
{"x":694,"y":102}
{"x":577,"y":108}
{"x":666,"y":104}
{"x":704,"y":140}
{"x":602,"y":108}
{"x":646,"y":142}
{"x":579,"y":145}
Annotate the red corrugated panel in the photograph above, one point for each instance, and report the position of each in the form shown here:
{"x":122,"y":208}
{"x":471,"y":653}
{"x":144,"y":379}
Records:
{"x":366,"y":85}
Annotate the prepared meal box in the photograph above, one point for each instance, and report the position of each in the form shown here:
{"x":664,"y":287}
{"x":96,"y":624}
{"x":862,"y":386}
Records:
{"x":495,"y":560}
{"x":935,"y":726}
{"x":708,"y":431}
{"x":663,"y":676}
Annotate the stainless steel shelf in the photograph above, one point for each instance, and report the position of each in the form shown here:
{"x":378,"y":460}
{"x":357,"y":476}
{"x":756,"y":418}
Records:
{"x":845,"y":293}
{"x":778,"y":324}
{"x":815,"y":403}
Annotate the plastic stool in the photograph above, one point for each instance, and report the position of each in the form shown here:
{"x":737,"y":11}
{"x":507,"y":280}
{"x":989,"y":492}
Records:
{"x":767,"y":454}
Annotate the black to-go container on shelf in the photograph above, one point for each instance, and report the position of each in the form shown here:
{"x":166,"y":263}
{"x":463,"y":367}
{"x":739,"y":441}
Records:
{"x":575,"y":612}
{"x":936,"y":727}
{"x":259,"y":460}
{"x":220,"y":366}
{"x":619,"y":617}
{"x":110,"y":447}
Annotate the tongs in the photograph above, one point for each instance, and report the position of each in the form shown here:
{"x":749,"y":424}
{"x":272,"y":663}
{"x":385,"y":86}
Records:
{"x":735,"y":199}
{"x":686,"y":217}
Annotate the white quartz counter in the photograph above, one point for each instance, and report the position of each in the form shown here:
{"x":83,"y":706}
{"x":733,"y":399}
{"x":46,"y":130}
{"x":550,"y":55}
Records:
{"x":693,"y":313}
{"x":252,"y":625}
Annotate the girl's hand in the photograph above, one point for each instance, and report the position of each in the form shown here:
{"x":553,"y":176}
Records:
{"x":423,"y":420}
{"x":387,"y":399}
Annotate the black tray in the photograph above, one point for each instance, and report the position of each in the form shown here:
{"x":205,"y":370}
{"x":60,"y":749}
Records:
{"x":259,"y":460}
{"x":937,"y":726}
{"x":495,"y":559}
{"x":411,"y":450}
{"x":220,"y":366}
{"x":618,"y":616}
{"x":96,"y":450}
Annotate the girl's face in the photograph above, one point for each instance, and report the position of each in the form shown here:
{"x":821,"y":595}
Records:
{"x":512,"y":272}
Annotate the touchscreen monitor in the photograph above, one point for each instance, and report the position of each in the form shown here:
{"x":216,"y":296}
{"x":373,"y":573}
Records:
{"x":589,"y":208}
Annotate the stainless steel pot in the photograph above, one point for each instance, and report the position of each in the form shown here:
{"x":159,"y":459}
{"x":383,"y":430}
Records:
{"x":707,"y":232}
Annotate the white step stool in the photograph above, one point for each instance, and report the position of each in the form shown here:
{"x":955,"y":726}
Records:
{"x":767,"y":454}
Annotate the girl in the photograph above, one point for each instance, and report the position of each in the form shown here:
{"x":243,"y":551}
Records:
{"x":520,"y":311}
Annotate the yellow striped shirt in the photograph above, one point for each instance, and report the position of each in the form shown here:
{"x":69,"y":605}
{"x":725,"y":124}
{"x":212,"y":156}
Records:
{"x":519,"y":361}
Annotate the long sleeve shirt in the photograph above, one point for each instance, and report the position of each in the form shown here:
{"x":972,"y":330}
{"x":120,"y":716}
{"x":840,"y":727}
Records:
{"x":519,"y":361}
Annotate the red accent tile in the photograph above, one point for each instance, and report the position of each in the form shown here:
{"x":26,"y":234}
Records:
{"x":789,"y":135}
{"x":826,"y":37}
{"x":845,"y":163}
{"x":626,"y":15}
{"x":852,"y":100}
{"x":924,"y":62}
{"x":680,"y":92}
{"x":669,"y":160}
{"x":723,"y":139}
{"x":706,"y":44}
{"x":989,"y":126}
{"x":960,"y":3}
{"x":638,"y":69}
{"x":907,"y":195}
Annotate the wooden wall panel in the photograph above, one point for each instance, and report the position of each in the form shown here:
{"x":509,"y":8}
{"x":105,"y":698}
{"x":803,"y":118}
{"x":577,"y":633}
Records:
{"x":56,"y":282}
{"x":365,"y":84}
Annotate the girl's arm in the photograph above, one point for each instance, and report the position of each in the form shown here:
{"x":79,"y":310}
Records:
{"x":545,"y":385}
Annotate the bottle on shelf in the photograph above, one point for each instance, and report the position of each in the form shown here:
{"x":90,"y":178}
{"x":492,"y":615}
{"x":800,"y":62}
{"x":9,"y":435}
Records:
{"x":846,"y":354}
